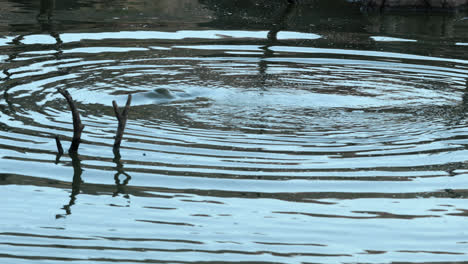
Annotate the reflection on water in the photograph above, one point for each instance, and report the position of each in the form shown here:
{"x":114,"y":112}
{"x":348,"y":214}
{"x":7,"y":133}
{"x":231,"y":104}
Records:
{"x":259,"y":132}
{"x":76,"y":184}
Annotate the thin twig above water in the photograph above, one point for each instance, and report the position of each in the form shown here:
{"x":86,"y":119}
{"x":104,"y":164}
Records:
{"x":122,"y":118}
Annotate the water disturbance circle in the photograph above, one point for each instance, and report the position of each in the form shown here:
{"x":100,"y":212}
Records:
{"x":238,"y":147}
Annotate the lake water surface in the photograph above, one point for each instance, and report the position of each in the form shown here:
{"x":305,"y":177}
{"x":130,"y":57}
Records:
{"x":309,"y":133}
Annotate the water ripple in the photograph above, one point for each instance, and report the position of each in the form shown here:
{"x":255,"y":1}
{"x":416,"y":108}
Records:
{"x":236,"y":149}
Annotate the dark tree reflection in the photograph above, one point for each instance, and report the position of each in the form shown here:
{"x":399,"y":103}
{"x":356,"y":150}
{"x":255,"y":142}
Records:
{"x":465,"y":98}
{"x":120,"y":186}
{"x":272,"y":36}
{"x":7,"y":81}
{"x":76,"y":184}
{"x":47,"y":24}
{"x":77,"y":181}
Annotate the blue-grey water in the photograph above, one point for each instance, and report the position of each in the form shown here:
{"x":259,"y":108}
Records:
{"x":259,"y":132}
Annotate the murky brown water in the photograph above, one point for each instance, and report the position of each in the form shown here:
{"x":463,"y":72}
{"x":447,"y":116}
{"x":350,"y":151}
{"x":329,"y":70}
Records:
{"x":313,"y":133}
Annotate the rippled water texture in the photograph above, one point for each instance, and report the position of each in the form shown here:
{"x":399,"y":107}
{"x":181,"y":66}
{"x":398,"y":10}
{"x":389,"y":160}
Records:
{"x":258,"y":132}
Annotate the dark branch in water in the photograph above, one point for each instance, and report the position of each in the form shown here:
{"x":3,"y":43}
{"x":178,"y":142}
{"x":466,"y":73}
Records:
{"x":122,"y":118}
{"x":77,"y":125}
{"x":59,"y":149}
{"x":59,"y":145}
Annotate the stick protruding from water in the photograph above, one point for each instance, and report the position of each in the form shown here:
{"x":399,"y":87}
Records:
{"x":122,"y":118}
{"x":59,"y":145}
{"x":77,"y":125}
